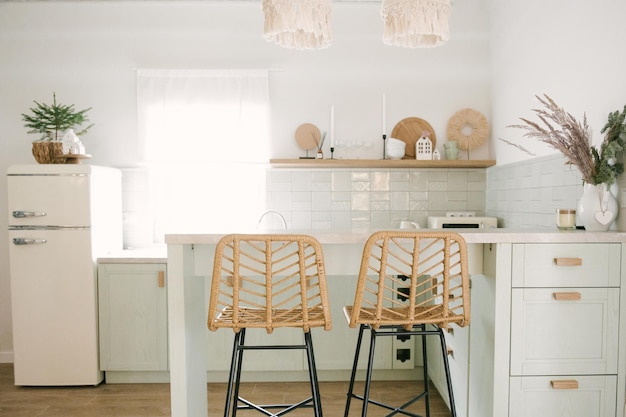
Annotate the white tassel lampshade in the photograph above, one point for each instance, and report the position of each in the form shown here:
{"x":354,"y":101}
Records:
{"x":416,"y":23}
{"x":298,"y":24}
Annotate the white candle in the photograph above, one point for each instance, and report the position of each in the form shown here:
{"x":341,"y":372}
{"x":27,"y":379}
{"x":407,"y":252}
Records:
{"x":384,"y":116}
{"x":332,"y":126}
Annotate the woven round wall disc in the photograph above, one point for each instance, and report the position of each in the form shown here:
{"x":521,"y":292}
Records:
{"x":469,"y":128}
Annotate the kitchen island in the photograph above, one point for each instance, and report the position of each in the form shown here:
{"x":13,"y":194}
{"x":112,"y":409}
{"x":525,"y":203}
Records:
{"x":499,"y":259}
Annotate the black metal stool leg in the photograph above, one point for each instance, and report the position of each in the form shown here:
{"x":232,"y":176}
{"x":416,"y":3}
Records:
{"x":425,"y":367}
{"x":231,"y":376}
{"x":315,"y":389}
{"x":446,"y":366}
{"x":240,"y":350}
{"x":368,"y":377}
{"x":354,"y":365}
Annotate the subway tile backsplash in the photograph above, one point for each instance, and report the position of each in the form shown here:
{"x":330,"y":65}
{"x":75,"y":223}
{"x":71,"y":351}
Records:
{"x":526,"y":194}
{"x":345,"y":199}
{"x":521,"y":195}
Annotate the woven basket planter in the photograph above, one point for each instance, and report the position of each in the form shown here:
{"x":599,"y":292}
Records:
{"x":49,"y":152}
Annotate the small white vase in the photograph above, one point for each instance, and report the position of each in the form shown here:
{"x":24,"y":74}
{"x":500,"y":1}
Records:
{"x":597,"y":208}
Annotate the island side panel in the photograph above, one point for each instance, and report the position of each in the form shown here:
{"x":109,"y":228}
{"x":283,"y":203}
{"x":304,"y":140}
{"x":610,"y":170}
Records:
{"x":188,"y":334}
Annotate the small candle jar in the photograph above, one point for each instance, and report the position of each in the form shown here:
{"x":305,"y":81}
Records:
{"x":566,"y":219}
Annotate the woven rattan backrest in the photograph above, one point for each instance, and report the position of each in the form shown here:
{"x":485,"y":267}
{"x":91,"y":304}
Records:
{"x":409,"y":278}
{"x":268,"y":281}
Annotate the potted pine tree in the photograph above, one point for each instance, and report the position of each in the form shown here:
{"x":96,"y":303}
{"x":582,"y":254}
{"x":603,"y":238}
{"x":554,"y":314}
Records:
{"x":51,"y":122}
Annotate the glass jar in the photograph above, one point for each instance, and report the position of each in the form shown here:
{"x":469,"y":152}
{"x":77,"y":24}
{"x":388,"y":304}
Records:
{"x":566,"y":219}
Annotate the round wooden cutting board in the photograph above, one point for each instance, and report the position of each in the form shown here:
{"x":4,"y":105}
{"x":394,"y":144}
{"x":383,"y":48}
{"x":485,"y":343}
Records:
{"x":410,"y":130}
{"x":308,"y":136}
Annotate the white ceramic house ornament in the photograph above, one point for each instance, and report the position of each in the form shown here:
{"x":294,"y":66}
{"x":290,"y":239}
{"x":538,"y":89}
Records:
{"x":424,"y":148}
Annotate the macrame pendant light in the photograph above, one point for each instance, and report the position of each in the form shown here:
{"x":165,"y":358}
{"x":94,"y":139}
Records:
{"x":415,"y":23}
{"x":298,"y":24}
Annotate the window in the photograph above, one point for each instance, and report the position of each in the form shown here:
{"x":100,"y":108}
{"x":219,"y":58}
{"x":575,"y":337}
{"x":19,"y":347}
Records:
{"x":203,"y":135}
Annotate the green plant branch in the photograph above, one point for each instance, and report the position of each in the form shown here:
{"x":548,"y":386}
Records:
{"x":51,"y":121}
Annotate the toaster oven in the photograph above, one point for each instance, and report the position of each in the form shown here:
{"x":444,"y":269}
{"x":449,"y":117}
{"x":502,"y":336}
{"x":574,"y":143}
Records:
{"x":462,"y":222}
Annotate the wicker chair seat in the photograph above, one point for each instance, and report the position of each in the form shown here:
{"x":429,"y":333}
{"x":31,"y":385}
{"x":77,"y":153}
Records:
{"x":262,"y":319}
{"x":397,"y":316}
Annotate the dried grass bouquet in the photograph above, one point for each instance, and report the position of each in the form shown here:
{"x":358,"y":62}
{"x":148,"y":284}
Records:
{"x":562,"y":131}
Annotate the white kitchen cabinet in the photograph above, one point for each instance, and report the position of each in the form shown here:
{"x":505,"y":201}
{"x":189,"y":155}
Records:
{"x":545,"y":334}
{"x":133,"y":318}
{"x":565,"y":332}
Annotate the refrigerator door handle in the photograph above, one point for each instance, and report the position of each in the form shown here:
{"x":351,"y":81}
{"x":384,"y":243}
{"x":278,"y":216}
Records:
{"x":20,"y":214}
{"x":28,"y":241}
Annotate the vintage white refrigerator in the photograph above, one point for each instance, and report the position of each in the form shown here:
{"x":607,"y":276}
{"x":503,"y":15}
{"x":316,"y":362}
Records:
{"x":61,"y":218}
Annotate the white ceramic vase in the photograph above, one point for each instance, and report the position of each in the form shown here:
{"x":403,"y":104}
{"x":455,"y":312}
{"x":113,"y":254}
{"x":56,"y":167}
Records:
{"x":597,"y":208}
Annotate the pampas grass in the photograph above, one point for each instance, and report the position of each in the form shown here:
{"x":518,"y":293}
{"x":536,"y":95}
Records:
{"x":572,"y":138}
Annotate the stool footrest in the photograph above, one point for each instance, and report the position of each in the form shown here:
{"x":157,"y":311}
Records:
{"x":271,"y":347}
{"x":285,"y":408}
{"x":396,"y":410}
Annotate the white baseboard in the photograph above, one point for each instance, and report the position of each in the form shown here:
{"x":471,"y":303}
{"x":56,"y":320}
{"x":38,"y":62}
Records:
{"x":6,"y":357}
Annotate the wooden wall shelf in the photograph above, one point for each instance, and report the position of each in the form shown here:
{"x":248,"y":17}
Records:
{"x":378,"y":163}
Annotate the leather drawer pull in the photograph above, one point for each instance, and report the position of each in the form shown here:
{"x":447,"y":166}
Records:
{"x":568,"y":261}
{"x":450,"y":351}
{"x":161,"y":279}
{"x":566,"y":296}
{"x":565,"y":384}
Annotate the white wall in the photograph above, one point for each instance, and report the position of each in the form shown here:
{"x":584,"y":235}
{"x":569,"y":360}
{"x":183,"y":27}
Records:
{"x":87,"y":52}
{"x":572,"y":50}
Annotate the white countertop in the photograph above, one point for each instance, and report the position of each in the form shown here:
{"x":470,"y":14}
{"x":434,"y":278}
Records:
{"x":157,"y":254}
{"x":470,"y":236}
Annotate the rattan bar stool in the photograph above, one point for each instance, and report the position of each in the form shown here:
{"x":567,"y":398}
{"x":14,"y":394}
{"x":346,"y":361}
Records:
{"x":433,"y":265}
{"x":269,"y":281}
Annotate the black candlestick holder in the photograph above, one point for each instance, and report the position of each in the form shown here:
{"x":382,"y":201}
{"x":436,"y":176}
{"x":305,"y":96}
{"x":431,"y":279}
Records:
{"x":332,"y":150}
{"x":384,"y":147}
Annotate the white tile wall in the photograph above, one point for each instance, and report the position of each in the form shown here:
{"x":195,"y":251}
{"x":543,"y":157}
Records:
{"x":137,"y":227}
{"x":521,"y":195}
{"x":344,"y":199}
{"x":526,"y":194}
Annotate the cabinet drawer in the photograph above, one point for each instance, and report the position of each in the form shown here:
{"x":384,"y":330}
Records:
{"x":555,"y":336}
{"x":587,"y":396}
{"x":566,"y":265}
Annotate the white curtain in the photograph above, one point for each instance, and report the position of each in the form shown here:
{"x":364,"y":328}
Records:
{"x":203,"y":115}
{"x":204,"y":136}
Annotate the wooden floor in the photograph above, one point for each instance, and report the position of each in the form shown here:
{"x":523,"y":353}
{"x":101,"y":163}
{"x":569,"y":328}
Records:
{"x":153,"y":400}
